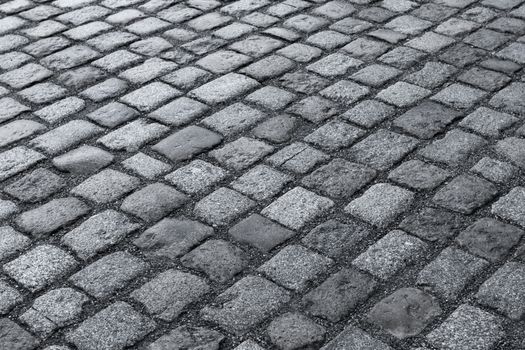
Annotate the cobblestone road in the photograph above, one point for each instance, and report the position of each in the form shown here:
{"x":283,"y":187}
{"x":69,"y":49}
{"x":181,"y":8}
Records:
{"x":257,"y":174}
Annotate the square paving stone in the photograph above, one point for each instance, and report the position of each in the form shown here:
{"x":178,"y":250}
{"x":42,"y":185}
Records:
{"x":186,"y":143}
{"x":468,"y":328}
{"x":334,"y":65}
{"x":484,"y":79}
{"x":450,"y":272}
{"x":339,"y":178}
{"x":107,"y":89}
{"x":419,"y":175}
{"x":171,"y":238}
{"x":224,"y":88}
{"x":16,"y":160}
{"x":14,"y":337}
{"x":112,"y":114}
{"x":9,"y":298}
{"x":169,"y":293}
{"x":382,"y":149}
{"x":465,"y":193}
{"x":407,"y":24}
{"x":295,"y":331}
{"x":297,"y":207}
{"x":188,"y":337}
{"x":381,"y":204}
{"x":223,"y":206}
{"x":25,"y":75}
{"x":145,"y":166}
{"x":151,"y":96}
{"x":432,"y":224}
{"x":223,"y":61}
{"x":454,"y":148}
{"x":10,"y":108}
{"x":7,"y":209}
{"x":512,"y":149}
{"x":98,"y":233}
{"x":345,"y":91}
{"x":395,"y":251}
{"x":153,"y":202}
{"x":61,"y":109}
{"x":297,"y":157}
{"x":403,"y":94}
{"x":83,"y":160}
{"x":257,"y":45}
{"x":511,"y":98}
{"x":494,"y":170}
{"x":11,"y":242}
{"x":218,"y":259}
{"x":271,"y":97}
{"x":260,"y":232}
{"x":54,"y":310}
{"x":18,"y":130}
{"x":300,"y":52}
{"x":179,"y":112}
{"x":368,"y":113}
{"x":51,"y":216}
{"x":352,"y":338}
{"x":510,"y":206}
{"x":314,"y":109}
{"x":71,"y":57}
{"x":459,"y":96}
{"x":432,"y":75}
{"x":426,"y":119}
{"x":334,"y":135}
{"x":106,"y":186}
{"x":488,"y":122}
{"x":40,"y":267}
{"x":491,"y":239}
{"x":405,"y":313}
{"x":277,"y":129}
{"x":505,"y":291}
{"x":114,"y":328}
{"x":261,"y":182}
{"x":241,"y":153}
{"x":109,"y":274}
{"x":234,"y":119}
{"x":339,"y":294}
{"x":197,"y":176}
{"x":132,"y":136}
{"x":268,"y":67}
{"x":294,"y":267}
{"x":303,"y":82}
{"x":245,"y":304}
{"x":37,"y":185}
{"x":375,"y":74}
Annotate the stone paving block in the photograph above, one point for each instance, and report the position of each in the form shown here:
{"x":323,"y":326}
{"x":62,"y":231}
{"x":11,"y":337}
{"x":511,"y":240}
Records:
{"x":468,"y":328}
{"x":494,"y":170}
{"x":146,"y":166}
{"x":43,"y":93}
{"x":432,"y":224}
{"x":109,"y":274}
{"x":218,"y":259}
{"x":179,"y":290}
{"x":277,"y":129}
{"x":10,"y":108}
{"x":83,"y":160}
{"x":295,"y":266}
{"x":419,"y":175}
{"x":260,"y":232}
{"x":7,"y":209}
{"x":224,"y":88}
{"x":454,"y":148}
{"x":25,"y":75}
{"x":132,"y":136}
{"x":403,"y":94}
{"x":339,"y":178}
{"x":71,"y":57}
{"x":172,"y":238}
{"x":245,"y":304}
{"x":45,"y":219}
{"x":81,"y":77}
{"x":334,"y":65}
{"x":186,"y":143}
{"x":61,"y":109}
{"x":151,"y":96}
{"x":189,"y":337}
{"x":511,"y":148}
{"x":345,"y":91}
{"x":179,"y":112}
{"x":106,"y":186}
{"x":40,"y":267}
{"x":450,"y":272}
{"x":368,"y":113}
{"x":433,"y":74}
{"x":13,"y":336}
{"x":295,"y":331}
{"x":504,"y":290}
{"x":223,"y":206}
{"x":490,"y":239}
{"x":465,"y":193}
{"x":65,"y":136}
{"x":196,"y":177}
{"x":405,"y":313}
{"x":334,"y":135}
{"x":484,"y":79}
{"x":381,"y":204}
{"x":390,"y":254}
{"x":35,"y":186}
{"x":11,"y":242}
{"x":54,"y":310}
{"x":271,"y":97}
{"x":115,"y":327}
{"x":303,"y":82}
{"x":314,"y":108}
{"x":297,"y":207}
{"x":509,"y":206}
{"x":99,"y":233}
{"x":233,"y":119}
{"x":297,"y":157}
{"x":488,"y":122}
{"x":9,"y":298}
{"x":261,"y":182}
{"x":241,"y":153}
{"x":352,"y":338}
{"x":107,"y":89}
{"x":339,"y":294}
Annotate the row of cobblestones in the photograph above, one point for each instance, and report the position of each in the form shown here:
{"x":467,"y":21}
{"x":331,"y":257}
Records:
{"x":256,"y":174}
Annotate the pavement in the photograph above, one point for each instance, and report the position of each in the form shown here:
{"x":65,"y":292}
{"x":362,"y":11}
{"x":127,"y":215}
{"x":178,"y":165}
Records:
{"x":256,"y":174}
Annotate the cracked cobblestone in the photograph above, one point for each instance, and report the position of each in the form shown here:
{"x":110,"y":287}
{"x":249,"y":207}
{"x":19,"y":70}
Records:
{"x":256,"y":174}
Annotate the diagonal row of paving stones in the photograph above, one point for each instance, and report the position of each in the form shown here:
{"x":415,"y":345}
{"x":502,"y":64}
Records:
{"x":256,"y":174}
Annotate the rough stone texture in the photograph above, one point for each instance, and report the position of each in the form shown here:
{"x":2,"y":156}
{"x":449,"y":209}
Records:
{"x":270,"y":168}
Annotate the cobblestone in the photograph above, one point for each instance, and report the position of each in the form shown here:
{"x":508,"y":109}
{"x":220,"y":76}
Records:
{"x":256,"y":174}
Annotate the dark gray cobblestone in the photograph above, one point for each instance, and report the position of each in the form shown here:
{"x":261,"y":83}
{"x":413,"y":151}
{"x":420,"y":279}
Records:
{"x":257,"y":174}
